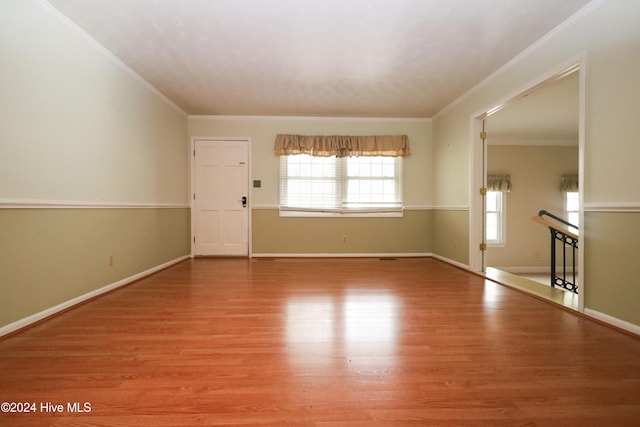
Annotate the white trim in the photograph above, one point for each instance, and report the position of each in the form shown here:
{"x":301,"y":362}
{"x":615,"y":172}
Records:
{"x":576,"y":63}
{"x":586,"y":10}
{"x":313,"y":118}
{"x":74,"y":204}
{"x":533,"y":269}
{"x":301,"y":213}
{"x":452,"y":262}
{"x":450,"y":208}
{"x":107,"y":53}
{"x":614,"y":321}
{"x":220,"y":138}
{"x":344,"y":255}
{"x":525,"y":270}
{"x":22,"y":323}
{"x":405,"y":208}
{"x":192,"y":186}
{"x":532,"y":142}
{"x":419,"y":208}
{"x":612,"y":207}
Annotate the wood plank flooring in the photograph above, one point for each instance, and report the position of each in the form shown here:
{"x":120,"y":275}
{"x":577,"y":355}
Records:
{"x":320,"y":342}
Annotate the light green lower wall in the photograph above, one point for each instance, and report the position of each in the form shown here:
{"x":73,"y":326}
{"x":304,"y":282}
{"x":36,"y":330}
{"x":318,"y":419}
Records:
{"x":50,"y":256}
{"x":611,"y":251}
{"x":273,"y":234}
{"x":451,"y":234}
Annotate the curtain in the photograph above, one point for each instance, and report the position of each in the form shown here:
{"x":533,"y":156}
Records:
{"x":342,"y":145}
{"x":569,"y":183}
{"x":499,"y":183}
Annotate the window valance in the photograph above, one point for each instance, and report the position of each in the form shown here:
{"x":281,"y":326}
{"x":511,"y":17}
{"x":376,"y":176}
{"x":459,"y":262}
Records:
{"x":499,"y":183}
{"x":342,"y":145}
{"x":569,"y":183}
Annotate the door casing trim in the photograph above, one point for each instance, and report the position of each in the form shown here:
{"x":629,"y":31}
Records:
{"x":192,"y":173}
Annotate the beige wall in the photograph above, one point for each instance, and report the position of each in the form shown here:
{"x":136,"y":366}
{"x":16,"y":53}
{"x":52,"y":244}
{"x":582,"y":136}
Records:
{"x":608,"y":39}
{"x":50,"y":256}
{"x":78,"y":130}
{"x":273,"y":234}
{"x":535,"y":175}
{"x":450,"y":234}
{"x":407,"y":235}
{"x":611,"y":274}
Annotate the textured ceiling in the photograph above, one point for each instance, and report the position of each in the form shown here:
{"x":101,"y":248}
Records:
{"x":372,"y":58}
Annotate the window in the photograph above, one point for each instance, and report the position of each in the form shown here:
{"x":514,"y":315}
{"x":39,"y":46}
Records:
{"x":336,"y":186}
{"x":495,"y":218}
{"x":572,"y":205}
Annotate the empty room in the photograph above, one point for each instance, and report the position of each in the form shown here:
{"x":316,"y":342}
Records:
{"x":319,"y":213}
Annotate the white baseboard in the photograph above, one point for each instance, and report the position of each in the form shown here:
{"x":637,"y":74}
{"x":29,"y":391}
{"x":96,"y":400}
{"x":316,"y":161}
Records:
{"x":614,"y":321}
{"x":532,"y":270}
{"x":525,"y":270}
{"x":341,"y":255}
{"x":452,"y":262}
{"x":19,"y":324}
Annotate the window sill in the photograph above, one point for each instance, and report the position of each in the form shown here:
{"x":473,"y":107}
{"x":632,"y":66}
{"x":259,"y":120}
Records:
{"x":341,"y":214}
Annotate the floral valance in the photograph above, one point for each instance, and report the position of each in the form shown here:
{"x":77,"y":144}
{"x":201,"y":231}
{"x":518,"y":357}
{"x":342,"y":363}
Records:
{"x":569,"y":183}
{"x":499,"y":183}
{"x":342,"y":145}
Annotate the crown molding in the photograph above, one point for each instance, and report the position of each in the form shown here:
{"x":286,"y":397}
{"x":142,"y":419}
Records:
{"x":312,"y":118}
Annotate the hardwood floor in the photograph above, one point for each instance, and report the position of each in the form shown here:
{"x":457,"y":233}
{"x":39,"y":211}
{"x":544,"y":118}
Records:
{"x":320,"y":342}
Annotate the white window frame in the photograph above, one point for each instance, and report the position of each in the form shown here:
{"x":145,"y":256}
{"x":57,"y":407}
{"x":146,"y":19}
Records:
{"x":573,"y":215}
{"x":501,"y":218}
{"x":341,"y":207}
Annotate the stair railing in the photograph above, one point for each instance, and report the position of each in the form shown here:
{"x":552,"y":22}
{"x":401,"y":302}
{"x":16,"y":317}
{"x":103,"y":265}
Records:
{"x":561,"y":232}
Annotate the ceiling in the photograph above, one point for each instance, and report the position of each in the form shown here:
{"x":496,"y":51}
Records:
{"x":354,"y":58}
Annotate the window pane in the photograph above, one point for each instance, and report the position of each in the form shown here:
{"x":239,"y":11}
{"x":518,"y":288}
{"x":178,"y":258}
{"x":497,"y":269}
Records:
{"x":332,"y":183}
{"x":573,"y":202}
{"x":491,"y":201}
{"x":574,"y":218}
{"x":308,"y":182}
{"x":494,"y":217}
{"x":372,"y":182}
{"x":492,"y":227}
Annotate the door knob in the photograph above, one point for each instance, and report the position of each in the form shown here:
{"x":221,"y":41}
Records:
{"x":244,"y":201}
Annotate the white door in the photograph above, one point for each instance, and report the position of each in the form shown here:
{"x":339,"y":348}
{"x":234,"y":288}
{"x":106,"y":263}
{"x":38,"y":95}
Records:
{"x":221,"y":184}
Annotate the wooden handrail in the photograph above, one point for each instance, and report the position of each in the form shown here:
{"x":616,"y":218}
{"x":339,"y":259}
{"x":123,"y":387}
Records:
{"x":561,"y":228}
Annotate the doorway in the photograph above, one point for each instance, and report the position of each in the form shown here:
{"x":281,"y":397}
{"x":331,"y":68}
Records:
{"x":536,"y":136}
{"x":220,"y":213}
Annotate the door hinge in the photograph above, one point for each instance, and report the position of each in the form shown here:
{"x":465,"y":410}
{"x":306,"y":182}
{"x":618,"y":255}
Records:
{"x":483,"y":247}
{"x":483,"y":135}
{"x":194,"y":196}
{"x":194,"y":152}
{"x":194,"y":239}
{"x":483,"y":191}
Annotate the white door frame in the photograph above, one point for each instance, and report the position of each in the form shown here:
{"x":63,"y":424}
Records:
{"x":192,"y":184}
{"x":477,"y":177}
